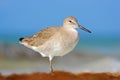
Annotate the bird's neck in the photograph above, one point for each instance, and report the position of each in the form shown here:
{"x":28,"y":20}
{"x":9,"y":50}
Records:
{"x":69,"y":34}
{"x":69,"y":29}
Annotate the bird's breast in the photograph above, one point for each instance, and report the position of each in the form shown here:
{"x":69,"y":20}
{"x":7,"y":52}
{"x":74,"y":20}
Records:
{"x":70,"y":39}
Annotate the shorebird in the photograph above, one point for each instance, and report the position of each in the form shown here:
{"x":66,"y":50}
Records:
{"x":56,"y":40}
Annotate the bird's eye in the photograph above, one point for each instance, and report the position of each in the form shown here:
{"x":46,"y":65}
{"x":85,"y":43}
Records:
{"x":70,"y":21}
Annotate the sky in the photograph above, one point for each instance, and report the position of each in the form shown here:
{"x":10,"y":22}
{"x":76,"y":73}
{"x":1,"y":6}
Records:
{"x":20,"y":18}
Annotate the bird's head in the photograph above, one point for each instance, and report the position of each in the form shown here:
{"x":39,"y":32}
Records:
{"x":72,"y":22}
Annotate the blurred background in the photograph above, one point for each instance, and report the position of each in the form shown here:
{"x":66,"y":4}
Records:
{"x":96,"y":52}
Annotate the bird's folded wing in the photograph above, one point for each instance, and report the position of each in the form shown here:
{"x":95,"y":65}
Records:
{"x":41,"y":37}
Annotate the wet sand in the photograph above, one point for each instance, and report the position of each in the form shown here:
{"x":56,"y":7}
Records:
{"x":61,"y":75}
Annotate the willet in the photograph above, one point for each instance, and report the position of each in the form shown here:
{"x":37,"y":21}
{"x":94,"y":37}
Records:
{"x":56,"y":40}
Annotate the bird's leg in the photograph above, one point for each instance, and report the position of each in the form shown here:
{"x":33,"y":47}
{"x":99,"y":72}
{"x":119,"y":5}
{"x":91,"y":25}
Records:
{"x":51,"y":68}
{"x":50,"y":61}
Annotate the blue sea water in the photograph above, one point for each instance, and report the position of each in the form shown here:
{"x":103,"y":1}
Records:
{"x":108,"y":45}
{"x":90,"y":44}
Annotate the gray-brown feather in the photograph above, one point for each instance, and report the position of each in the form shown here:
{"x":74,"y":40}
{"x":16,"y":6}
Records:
{"x":41,"y":37}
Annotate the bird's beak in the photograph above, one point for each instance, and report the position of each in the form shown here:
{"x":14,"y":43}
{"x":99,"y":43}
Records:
{"x":81,"y":27}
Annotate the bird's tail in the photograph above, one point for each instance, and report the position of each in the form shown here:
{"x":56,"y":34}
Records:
{"x":20,"y":39}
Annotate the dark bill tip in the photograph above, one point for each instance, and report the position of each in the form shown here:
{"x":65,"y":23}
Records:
{"x":89,"y":31}
{"x":84,"y":29}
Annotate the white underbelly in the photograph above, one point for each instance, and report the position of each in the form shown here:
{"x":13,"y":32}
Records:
{"x":67,"y":49}
{"x":59,"y":46}
{"x":61,"y":50}
{"x":56,"y":49}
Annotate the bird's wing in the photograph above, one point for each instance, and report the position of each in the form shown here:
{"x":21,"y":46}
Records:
{"x":41,"y":37}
